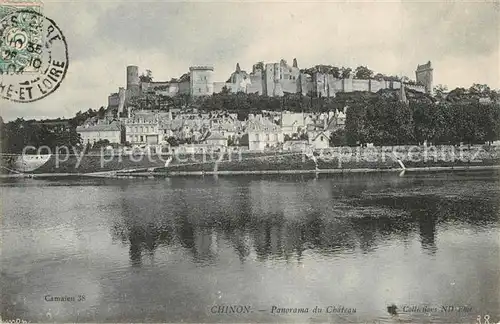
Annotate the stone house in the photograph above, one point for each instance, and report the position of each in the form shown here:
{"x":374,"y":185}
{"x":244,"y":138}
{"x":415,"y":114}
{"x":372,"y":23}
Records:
{"x":216,"y":139}
{"x":263,"y":134}
{"x":94,"y":133}
{"x":319,"y":139}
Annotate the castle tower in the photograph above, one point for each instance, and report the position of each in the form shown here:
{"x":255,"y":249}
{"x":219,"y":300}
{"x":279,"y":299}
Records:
{"x":133,"y":84}
{"x":402,"y":94}
{"x":424,"y":75}
{"x":121,"y":103}
{"x":201,"y":80}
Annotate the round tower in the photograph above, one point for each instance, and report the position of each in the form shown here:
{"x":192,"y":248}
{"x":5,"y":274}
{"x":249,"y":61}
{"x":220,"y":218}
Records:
{"x":133,"y":84}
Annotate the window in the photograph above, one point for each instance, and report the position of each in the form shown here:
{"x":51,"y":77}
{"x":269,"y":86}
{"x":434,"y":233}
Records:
{"x":267,"y":137}
{"x":142,"y":138}
{"x":321,"y":138}
{"x":199,"y":89}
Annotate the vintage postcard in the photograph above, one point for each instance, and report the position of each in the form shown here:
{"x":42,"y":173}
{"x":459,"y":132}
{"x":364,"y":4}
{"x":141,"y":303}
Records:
{"x":249,"y":161}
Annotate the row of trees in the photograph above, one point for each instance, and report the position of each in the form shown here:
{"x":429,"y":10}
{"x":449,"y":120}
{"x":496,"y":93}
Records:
{"x":361,"y":72}
{"x":385,"y":122}
{"x":20,"y":133}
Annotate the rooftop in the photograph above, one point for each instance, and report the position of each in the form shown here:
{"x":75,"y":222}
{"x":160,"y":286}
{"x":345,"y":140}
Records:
{"x":215,"y":136}
{"x":114,"y":126}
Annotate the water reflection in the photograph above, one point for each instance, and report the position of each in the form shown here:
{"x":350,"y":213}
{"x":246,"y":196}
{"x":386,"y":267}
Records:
{"x":273,"y":220}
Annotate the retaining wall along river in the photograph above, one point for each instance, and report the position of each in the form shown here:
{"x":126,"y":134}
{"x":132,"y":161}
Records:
{"x":335,"y":159}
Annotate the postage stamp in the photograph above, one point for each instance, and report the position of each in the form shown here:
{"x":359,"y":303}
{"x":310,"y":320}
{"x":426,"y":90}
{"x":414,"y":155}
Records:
{"x":9,"y":6}
{"x":34,"y":56}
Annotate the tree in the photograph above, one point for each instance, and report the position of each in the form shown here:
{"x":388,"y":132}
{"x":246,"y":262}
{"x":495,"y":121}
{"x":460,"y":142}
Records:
{"x":173,"y":141}
{"x":480,"y":89}
{"x":338,"y":138}
{"x":100,"y":143}
{"x":363,"y":72}
{"x":440,"y":91}
{"x":148,"y":77}
{"x":259,"y":66}
{"x":345,"y":72}
{"x":101,"y":112}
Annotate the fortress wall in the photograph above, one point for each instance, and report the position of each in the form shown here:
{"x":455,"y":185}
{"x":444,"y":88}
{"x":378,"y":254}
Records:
{"x":278,"y":89}
{"x":347,"y":85}
{"x":416,"y":87}
{"x":377,"y":85}
{"x":113,"y":100}
{"x":236,"y":81}
{"x":360,"y":85}
{"x":218,"y":86}
{"x":289,"y":86}
{"x":306,"y":84}
{"x":320,"y":81}
{"x":184,"y":87}
{"x":269,"y":76}
{"x":256,"y":85}
{"x":332,"y":85}
{"x":173,"y":89}
{"x":336,"y":84}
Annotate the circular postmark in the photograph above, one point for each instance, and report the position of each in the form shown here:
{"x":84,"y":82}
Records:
{"x":33,"y":56}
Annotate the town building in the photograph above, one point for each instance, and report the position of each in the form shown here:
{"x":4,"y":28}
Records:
{"x":319,"y":140}
{"x":292,"y":123}
{"x":263,"y":134}
{"x":295,"y":145}
{"x":91,"y":134}
{"x":143,"y":127}
{"x":216,"y":139}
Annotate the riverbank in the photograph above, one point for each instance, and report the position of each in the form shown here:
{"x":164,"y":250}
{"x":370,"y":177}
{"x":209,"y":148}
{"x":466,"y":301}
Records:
{"x":345,"y":159}
{"x":331,"y":160}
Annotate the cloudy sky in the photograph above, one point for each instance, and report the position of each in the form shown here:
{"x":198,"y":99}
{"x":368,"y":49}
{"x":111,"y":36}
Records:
{"x":461,"y":39}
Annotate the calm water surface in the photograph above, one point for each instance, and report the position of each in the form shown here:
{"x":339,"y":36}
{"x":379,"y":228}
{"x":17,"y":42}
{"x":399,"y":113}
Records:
{"x":156,"y":250}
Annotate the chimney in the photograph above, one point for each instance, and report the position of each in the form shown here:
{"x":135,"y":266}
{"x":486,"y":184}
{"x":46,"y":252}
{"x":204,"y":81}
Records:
{"x":238,"y":70}
{"x":295,"y":63}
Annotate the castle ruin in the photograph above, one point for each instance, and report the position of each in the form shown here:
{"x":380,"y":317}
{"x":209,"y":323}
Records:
{"x":268,"y":79}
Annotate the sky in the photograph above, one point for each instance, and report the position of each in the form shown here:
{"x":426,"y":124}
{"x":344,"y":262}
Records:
{"x":461,"y":39}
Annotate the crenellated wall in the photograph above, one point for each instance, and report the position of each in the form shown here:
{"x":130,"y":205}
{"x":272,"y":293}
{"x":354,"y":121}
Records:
{"x":255,"y":85}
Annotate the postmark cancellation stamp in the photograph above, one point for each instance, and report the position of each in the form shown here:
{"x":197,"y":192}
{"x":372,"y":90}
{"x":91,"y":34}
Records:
{"x":33,"y":56}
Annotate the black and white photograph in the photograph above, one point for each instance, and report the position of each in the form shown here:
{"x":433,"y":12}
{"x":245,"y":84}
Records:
{"x":260,"y":161}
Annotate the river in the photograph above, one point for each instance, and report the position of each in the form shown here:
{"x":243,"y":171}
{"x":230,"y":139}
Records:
{"x":170,"y":249}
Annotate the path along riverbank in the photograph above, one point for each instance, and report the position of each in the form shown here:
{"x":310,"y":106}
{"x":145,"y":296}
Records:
{"x":331,"y":160}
